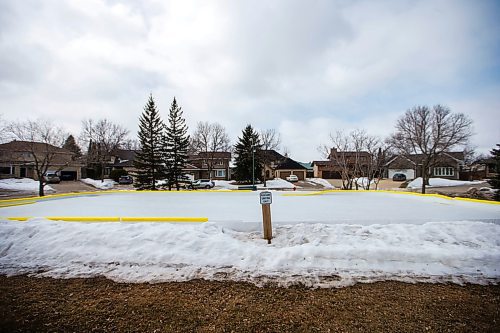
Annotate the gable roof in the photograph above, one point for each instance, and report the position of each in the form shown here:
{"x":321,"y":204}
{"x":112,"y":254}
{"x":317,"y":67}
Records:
{"x":290,"y":164}
{"x":272,"y":155}
{"x":28,"y":146}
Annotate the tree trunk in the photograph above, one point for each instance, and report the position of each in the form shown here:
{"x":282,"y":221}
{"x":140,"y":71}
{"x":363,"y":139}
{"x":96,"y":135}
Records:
{"x":424,"y":178}
{"x":40,"y":187}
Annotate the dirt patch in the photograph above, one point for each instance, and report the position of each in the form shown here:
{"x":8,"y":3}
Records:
{"x":99,"y":305}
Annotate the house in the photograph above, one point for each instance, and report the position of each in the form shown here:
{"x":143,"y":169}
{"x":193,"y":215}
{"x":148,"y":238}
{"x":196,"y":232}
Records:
{"x":448,"y":165}
{"x":218,"y":162}
{"x":271,"y":159}
{"x":17,"y":159}
{"x":290,"y":167}
{"x":276,"y":165}
{"x":122,"y":159}
{"x":338,"y":161}
{"x":481,"y":169}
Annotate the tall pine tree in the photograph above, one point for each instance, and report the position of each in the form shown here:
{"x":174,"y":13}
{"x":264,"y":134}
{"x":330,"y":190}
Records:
{"x":177,"y":143}
{"x":149,"y":162}
{"x":495,"y":182}
{"x":248,"y":164}
{"x":70,"y":144}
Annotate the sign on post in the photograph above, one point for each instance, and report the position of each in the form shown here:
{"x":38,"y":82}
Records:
{"x":266,"y":199}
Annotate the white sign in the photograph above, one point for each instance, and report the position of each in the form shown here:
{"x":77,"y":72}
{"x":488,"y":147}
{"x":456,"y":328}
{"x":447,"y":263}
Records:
{"x":266,"y":198}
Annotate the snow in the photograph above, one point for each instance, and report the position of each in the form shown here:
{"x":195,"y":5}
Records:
{"x":441,"y":182}
{"x":102,"y":185}
{"x":22,"y":184}
{"x":277,"y":183}
{"x":328,"y":240}
{"x":225,"y":184}
{"x":320,"y":181}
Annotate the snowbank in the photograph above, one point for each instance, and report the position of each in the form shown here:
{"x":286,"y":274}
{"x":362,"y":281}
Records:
{"x":225,"y":184}
{"x":316,"y":255}
{"x":321,"y":181}
{"x":23,"y":184}
{"x":277,"y":183}
{"x":441,"y":182}
{"x":105,"y":185}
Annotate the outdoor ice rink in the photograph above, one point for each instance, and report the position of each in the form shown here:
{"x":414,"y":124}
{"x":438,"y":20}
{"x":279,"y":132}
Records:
{"x":332,"y":239}
{"x":287,"y":207}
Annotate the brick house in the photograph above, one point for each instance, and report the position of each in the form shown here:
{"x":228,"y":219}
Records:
{"x":448,"y":165}
{"x":17,"y":160}
{"x":337,"y":161}
{"x":198,"y":165}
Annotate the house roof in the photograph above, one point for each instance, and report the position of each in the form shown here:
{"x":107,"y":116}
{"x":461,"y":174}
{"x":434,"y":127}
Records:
{"x":308,"y":166}
{"x":324,"y":163}
{"x":417,"y":158}
{"x":28,"y":146}
{"x":214,"y":155}
{"x":272,"y":155}
{"x":125,"y":157}
{"x":290,"y":164}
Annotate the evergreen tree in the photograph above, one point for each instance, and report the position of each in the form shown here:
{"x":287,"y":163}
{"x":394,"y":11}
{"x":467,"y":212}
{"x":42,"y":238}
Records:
{"x":70,"y":144}
{"x":495,"y":182}
{"x":149,"y":161}
{"x":177,"y":143}
{"x":248,"y":156}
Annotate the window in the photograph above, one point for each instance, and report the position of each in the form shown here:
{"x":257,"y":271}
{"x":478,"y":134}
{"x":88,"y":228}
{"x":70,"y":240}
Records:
{"x":220,"y":173}
{"x":444,"y":171}
{"x":5,"y":170}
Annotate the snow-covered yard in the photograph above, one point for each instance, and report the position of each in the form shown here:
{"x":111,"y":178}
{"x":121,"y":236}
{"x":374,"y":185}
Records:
{"x":441,"y":182}
{"x":22,"y":184}
{"x":105,"y":184}
{"x":333,"y":239}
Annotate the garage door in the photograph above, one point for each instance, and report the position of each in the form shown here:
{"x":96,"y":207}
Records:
{"x":331,"y":175}
{"x":284,"y":174}
{"x":68,"y":175}
{"x":409,"y":173}
{"x":300,"y":175}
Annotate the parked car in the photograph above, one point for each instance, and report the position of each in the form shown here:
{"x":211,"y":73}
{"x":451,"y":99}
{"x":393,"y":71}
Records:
{"x":292,"y":178}
{"x":51,"y":178}
{"x":399,"y":177}
{"x":125,"y":180}
{"x":202,"y":183}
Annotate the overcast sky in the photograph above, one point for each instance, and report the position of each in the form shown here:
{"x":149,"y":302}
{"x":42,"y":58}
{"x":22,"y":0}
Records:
{"x":306,"y":68}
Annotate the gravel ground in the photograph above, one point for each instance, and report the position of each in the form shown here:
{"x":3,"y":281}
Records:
{"x":98,"y":305}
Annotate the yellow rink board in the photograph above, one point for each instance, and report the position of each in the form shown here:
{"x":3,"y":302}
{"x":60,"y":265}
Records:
{"x":181,"y":219}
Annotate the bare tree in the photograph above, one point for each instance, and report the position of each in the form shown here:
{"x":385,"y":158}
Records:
{"x":341,"y":143}
{"x":430,"y":132}
{"x":208,"y":140}
{"x":42,"y":140}
{"x":131,"y":144}
{"x":353,"y":154}
{"x":3,"y":130}
{"x":102,"y":137}
{"x":377,"y":151}
{"x":270,"y":140}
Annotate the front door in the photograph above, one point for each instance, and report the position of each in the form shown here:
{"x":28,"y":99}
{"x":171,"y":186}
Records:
{"x":22,"y":172}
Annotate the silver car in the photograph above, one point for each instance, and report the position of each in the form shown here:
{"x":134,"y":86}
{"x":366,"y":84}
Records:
{"x":202,"y":183}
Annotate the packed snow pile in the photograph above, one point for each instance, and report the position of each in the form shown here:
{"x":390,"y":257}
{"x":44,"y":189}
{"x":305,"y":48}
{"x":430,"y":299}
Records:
{"x":225,"y":184}
{"x":22,"y":184}
{"x":277,"y":183}
{"x":321,"y":181}
{"x":315,"y":255}
{"x":441,"y":182}
{"x":102,"y":185}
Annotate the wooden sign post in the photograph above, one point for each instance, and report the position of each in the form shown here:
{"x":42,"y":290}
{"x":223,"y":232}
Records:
{"x":266,"y":199}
